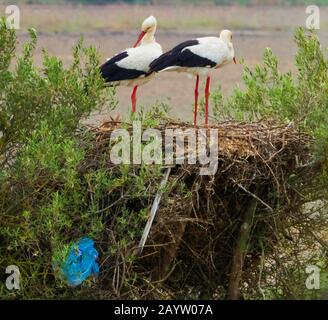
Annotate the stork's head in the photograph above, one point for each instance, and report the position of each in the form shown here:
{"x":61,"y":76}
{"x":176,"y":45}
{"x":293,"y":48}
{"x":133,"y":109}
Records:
{"x":149,"y":24}
{"x":148,"y":27}
{"x":226,"y":36}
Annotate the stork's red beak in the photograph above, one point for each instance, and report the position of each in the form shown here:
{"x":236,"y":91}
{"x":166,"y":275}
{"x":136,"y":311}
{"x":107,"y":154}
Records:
{"x":234,"y":60}
{"x":142,"y":34}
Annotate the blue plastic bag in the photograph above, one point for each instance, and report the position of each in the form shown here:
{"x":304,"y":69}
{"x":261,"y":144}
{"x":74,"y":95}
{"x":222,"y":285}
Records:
{"x":81,"y":262}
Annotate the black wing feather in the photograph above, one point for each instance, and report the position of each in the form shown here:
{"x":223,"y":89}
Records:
{"x":111,"y":72}
{"x":180,"y":57}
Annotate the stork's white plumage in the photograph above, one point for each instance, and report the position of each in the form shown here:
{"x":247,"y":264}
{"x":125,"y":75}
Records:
{"x":198,"y":57}
{"x":131,"y":67}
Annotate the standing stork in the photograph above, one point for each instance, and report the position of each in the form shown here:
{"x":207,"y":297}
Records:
{"x":131,"y":67}
{"x":198,"y":57}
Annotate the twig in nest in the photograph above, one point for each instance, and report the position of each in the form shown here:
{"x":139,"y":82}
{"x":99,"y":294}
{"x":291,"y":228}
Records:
{"x":153,"y":211}
{"x":255,"y":196}
{"x":240,"y":252}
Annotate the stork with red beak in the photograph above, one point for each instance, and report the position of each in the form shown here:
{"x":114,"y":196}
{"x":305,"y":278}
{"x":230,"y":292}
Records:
{"x":131,"y":67}
{"x":198,"y":57}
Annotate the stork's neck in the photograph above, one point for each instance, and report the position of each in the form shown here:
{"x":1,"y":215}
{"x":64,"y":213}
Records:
{"x":149,"y":37}
{"x":231,"y":49}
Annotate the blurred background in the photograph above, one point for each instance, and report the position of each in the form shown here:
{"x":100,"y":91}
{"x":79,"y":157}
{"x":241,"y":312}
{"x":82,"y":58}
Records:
{"x":112,"y":26}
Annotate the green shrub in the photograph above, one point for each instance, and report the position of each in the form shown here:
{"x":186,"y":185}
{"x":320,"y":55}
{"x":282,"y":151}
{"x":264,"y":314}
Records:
{"x":58,"y":95}
{"x":41,"y":194}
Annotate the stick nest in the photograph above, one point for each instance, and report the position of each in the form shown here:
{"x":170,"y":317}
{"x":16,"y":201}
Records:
{"x":196,"y":235}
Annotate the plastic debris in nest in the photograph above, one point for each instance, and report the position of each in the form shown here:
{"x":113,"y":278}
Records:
{"x":81,"y":262}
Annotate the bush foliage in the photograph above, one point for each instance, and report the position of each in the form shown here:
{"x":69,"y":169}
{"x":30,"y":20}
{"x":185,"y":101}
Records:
{"x":41,"y":194}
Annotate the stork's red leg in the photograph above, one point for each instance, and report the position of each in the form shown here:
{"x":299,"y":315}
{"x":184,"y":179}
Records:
{"x":134,"y":99}
{"x":207,"y":95}
{"x":196,"y":100}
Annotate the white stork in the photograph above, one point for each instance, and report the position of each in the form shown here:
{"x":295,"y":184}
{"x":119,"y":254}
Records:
{"x":131,"y":66}
{"x":198,"y":57}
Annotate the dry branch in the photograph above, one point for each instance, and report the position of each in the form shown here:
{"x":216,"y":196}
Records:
{"x":240,"y":252}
